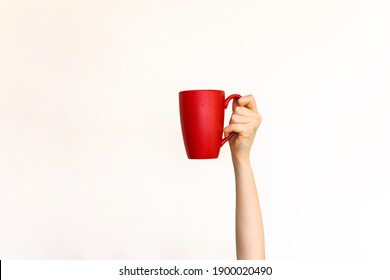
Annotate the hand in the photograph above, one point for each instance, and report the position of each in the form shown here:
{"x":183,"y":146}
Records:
{"x":245,"y":121}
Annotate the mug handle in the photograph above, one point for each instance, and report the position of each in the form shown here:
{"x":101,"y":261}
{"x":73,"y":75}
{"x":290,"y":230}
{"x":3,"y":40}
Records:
{"x":227,"y":100}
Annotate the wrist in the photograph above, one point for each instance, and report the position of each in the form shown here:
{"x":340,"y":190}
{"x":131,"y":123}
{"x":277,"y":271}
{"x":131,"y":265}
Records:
{"x":241,"y":159}
{"x":242,"y":170}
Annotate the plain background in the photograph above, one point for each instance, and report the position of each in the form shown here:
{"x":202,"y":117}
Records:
{"x":92,"y":163}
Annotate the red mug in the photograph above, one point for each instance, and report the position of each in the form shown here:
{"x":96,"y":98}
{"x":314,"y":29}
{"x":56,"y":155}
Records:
{"x":202,"y":113}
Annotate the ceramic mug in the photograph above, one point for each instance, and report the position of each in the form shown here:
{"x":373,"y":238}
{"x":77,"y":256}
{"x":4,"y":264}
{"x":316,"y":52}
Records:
{"x":202,"y":114}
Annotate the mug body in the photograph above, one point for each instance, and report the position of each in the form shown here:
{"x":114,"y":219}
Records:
{"x":202,"y":115}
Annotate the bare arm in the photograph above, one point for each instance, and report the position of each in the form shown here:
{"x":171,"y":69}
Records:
{"x":249,"y":224}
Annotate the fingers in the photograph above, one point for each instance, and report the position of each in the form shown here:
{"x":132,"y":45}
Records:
{"x":236,"y":118}
{"x":247,"y":101}
{"x":236,"y":127}
{"x":244,"y":111}
{"x":244,"y":114}
{"x":245,"y":119}
{"x":234,"y":104}
{"x":241,"y":129}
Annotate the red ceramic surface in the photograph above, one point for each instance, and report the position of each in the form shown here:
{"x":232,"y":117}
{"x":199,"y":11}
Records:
{"x":202,"y":114}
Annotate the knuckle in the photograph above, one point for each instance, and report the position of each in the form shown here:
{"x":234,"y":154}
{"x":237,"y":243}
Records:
{"x":259,"y":118}
{"x":249,"y":98}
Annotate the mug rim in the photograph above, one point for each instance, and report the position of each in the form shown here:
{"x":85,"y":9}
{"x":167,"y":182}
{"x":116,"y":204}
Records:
{"x":201,"y":90}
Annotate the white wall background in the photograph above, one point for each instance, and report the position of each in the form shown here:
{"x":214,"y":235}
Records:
{"x":92,"y":164}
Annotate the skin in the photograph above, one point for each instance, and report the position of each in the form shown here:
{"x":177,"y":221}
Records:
{"x":244,"y":122}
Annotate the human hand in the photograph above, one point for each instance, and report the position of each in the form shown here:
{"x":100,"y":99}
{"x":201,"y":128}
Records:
{"x":245,"y":121}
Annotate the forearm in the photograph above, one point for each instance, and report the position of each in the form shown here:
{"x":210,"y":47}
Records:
{"x":249,"y":224}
